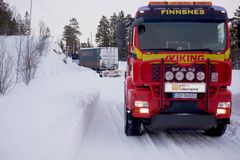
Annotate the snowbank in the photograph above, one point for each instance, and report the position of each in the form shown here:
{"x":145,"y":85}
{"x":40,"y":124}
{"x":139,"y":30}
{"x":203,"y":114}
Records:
{"x":37,"y":121}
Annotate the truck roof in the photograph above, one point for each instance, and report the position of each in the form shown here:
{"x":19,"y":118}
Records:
{"x":216,"y":8}
{"x":152,"y":10}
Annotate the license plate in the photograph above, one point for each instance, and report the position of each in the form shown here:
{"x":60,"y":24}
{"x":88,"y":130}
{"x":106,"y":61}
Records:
{"x":185,"y":95}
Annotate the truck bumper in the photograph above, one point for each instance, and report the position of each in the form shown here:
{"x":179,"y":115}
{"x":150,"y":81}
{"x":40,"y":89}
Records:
{"x":181,"y":121}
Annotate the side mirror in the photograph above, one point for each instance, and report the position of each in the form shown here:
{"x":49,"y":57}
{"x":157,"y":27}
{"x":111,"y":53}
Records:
{"x":121,"y":34}
{"x":238,"y":34}
{"x":138,"y":22}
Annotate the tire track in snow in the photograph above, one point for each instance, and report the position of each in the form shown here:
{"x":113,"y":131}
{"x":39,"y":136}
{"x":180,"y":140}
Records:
{"x":194,"y":141}
{"x":102,"y":134}
{"x":117,"y":118}
{"x":106,"y":132}
{"x":167,"y":148}
{"x":188,"y":144}
{"x":145,"y":142}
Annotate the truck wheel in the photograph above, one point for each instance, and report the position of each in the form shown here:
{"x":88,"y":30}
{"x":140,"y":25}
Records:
{"x":217,"y":131}
{"x":132,"y":125}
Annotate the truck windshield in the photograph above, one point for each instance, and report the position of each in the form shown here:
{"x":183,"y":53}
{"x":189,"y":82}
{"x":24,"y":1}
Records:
{"x":182,"y":36}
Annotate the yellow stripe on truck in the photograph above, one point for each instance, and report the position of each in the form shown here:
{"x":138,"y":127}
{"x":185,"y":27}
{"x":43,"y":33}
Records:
{"x":181,"y":58}
{"x":227,"y":54}
{"x":137,"y":52}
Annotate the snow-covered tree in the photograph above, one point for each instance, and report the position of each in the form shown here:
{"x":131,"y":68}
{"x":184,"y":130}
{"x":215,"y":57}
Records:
{"x":44,"y":34}
{"x":6,"y":67}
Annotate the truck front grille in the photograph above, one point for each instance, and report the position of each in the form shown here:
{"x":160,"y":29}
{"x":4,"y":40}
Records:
{"x":150,"y":72}
{"x":156,"y":72}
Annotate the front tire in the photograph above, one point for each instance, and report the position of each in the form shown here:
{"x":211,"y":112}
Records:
{"x":217,"y":131}
{"x":132,"y":124}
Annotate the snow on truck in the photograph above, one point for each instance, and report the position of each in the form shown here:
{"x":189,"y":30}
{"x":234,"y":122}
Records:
{"x":178,"y":68}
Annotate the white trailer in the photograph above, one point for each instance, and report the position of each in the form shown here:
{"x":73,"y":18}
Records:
{"x":109,"y":57}
{"x":104,"y":60}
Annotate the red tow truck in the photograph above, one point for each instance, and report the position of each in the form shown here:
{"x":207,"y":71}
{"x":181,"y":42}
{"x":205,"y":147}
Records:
{"x":178,"y":68}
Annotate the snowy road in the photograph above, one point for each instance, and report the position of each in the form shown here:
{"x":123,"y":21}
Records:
{"x":71,"y":114}
{"x":105,"y":139}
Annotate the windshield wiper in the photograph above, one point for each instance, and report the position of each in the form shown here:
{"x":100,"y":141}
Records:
{"x":200,"y":49}
{"x":161,"y":49}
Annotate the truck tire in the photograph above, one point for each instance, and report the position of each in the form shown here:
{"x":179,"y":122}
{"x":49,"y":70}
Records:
{"x":217,"y":131}
{"x":132,"y":125}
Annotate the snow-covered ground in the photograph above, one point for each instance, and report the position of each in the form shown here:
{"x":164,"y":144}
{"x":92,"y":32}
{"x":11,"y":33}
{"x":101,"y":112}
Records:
{"x":69,"y":113}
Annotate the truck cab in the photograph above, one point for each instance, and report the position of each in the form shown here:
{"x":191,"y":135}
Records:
{"x":178,"y":68}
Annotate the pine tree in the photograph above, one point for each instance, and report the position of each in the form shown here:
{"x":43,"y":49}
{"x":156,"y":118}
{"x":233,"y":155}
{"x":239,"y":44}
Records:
{"x":103,"y":32}
{"x":235,"y":57}
{"x":113,"y":22}
{"x":70,"y":36}
{"x":121,"y":16}
{"x":86,"y":44}
{"x":233,"y":30}
{"x":4,"y":18}
{"x":106,"y":32}
{"x":125,"y":19}
{"x":8,"y":24}
{"x":26,"y":23}
{"x":20,"y":24}
{"x":89,"y":45}
{"x":13,"y":27}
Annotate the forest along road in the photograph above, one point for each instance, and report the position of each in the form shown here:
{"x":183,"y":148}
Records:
{"x":105,"y":139}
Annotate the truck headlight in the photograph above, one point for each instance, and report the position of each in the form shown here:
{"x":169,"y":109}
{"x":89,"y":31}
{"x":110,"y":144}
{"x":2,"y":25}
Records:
{"x":224,"y":105}
{"x":141,"y":104}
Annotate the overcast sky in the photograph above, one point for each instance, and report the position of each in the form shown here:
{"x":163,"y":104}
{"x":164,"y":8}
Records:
{"x":56,"y":13}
